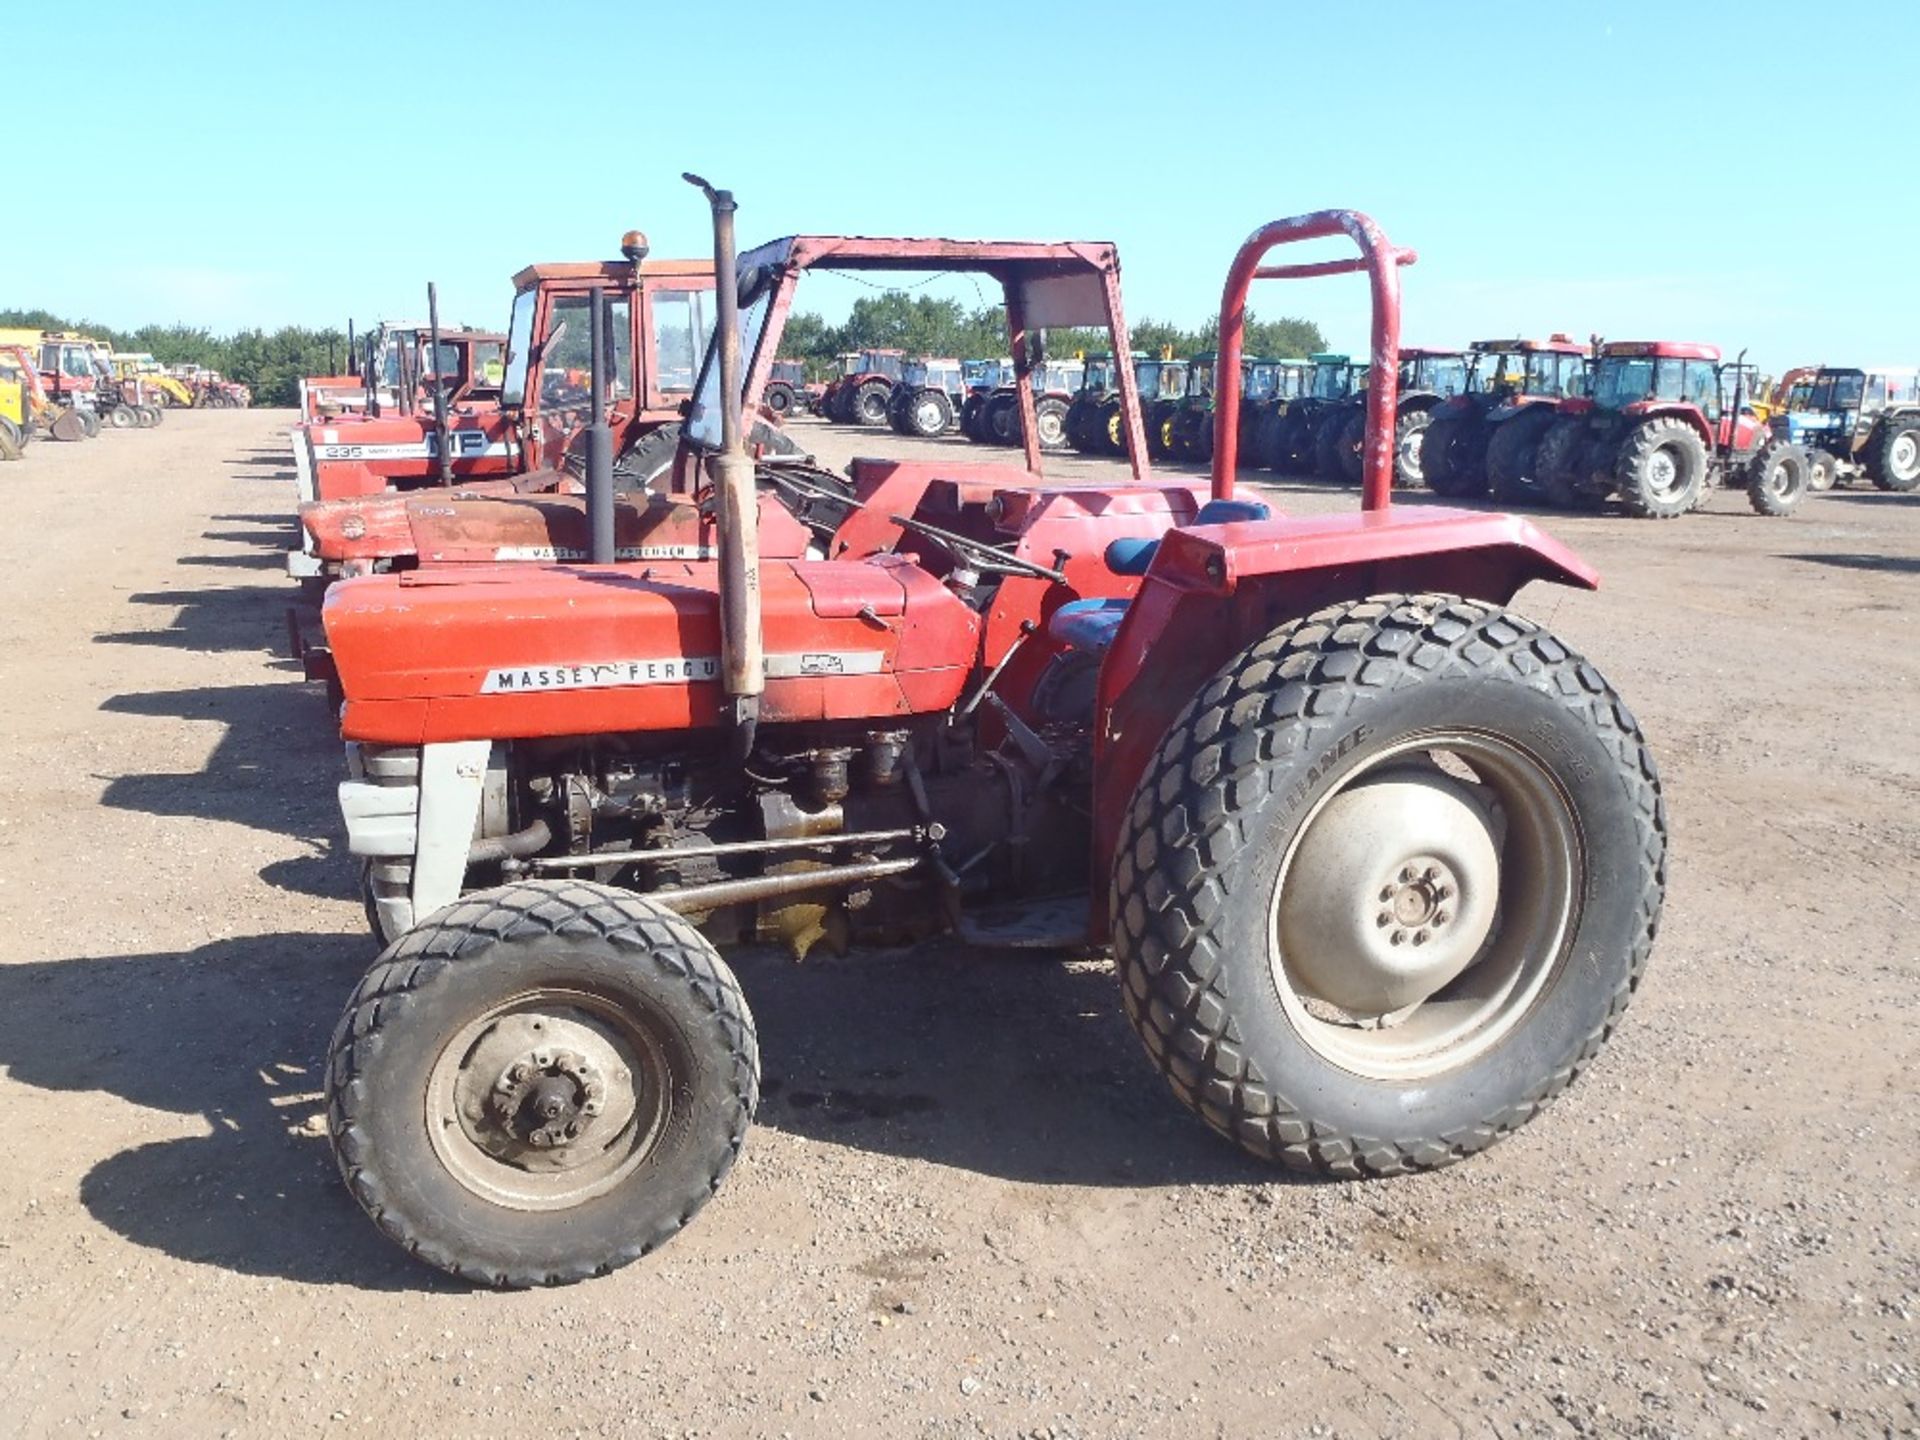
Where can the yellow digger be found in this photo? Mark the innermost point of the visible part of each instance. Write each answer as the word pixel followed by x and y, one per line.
pixel 140 366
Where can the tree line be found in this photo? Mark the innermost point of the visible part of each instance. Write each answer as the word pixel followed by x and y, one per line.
pixel 926 325
pixel 270 363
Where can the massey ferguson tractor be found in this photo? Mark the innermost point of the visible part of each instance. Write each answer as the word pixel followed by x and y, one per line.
pixel 1661 429
pixel 532 438
pixel 861 394
pixel 1379 859
pixel 1488 434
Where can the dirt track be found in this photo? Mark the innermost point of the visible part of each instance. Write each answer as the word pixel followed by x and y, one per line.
pixel 969 1206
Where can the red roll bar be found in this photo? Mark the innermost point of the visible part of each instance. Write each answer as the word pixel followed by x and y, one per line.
pixel 1382 262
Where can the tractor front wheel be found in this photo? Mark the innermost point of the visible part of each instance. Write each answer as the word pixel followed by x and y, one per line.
pixel 779 398
pixel 1388 885
pixel 929 412
pixel 1512 453
pixel 1661 469
pixel 1778 478
pixel 1894 461
pixel 1409 442
pixel 541 1083
pixel 1821 469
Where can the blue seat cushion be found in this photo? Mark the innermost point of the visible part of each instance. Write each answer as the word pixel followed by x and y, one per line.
pixel 1131 555
pixel 1087 624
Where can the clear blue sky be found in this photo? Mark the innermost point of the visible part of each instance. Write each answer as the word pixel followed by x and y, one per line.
pixel 1740 174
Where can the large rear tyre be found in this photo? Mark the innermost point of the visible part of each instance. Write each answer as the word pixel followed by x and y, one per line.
pixel 868 403
pixel 928 412
pixel 779 398
pixel 1450 458
pixel 1894 459
pixel 541 1083
pixel 1512 452
pixel 1049 422
pixel 1661 469
pixel 1388 885
pixel 1778 478
pixel 1326 446
pixel 1000 422
pixel 1350 447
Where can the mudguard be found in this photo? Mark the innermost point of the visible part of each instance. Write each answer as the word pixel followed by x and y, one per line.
pixel 1213 590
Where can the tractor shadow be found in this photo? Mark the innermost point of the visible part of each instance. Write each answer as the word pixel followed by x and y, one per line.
pixel 1002 1063
pixel 272 770
pixel 239 619
pixel 234 1032
pixel 1888 564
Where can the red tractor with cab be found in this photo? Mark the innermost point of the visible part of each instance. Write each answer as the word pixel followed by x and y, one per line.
pixel 1380 860
pixel 1487 435
pixel 862 394
pixel 1664 423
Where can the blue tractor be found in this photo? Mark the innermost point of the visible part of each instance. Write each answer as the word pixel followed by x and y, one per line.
pixel 1855 422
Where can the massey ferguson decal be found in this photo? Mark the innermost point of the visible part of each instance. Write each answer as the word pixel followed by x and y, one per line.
pixel 673 670
pixel 624 552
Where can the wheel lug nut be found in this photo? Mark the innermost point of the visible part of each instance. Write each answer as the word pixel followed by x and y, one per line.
pixel 1440 917
pixel 1419 937
pixel 1386 892
pixel 1383 919
pixel 1445 892
pixel 543 1058
pixel 1399 937
pixel 1406 875
pixel 1433 873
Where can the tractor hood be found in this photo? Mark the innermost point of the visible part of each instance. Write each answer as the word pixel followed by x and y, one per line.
pixel 508 652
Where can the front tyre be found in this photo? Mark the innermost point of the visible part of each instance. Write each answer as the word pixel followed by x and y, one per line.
pixel 1893 461
pixel 541 1083
pixel 1778 478
pixel 1388 885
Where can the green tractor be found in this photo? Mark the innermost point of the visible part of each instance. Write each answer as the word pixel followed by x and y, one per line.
pixel 1428 379
pixel 1284 438
pixel 1265 384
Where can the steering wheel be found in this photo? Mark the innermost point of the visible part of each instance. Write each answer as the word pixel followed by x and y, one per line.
pixel 978 553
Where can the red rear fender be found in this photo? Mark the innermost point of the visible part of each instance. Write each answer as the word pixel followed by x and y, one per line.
pixel 1213 590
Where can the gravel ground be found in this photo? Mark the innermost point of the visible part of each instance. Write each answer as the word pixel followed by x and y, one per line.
pixel 969 1206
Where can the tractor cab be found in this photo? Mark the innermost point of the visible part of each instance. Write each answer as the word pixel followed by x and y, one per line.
pixel 1486 434
pixel 926 399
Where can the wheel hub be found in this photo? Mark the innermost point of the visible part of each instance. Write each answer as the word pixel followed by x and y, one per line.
pixel 1906 455
pixel 1662 471
pixel 928 415
pixel 548 1098
pixel 1367 937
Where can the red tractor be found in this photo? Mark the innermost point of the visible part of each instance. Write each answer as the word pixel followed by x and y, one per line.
pixel 1489 433
pixel 1661 428
pixel 658 314
pixel 1380 860
pixel 789 392
pixel 862 393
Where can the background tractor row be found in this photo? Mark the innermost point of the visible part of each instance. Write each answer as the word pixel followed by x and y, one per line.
pixel 1855 423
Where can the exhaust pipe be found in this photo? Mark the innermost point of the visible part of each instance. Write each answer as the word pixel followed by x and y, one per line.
pixel 439 386
pixel 599 437
pixel 742 660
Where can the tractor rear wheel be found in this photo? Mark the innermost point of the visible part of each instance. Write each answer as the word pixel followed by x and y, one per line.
pixel 1326 446
pixel 1821 468
pixel 541 1083
pixel 1661 468
pixel 122 417
pixel 1512 453
pixel 1350 447
pixel 1112 424
pixel 1450 459
pixel 1559 464
pixel 10 439
pixel 1777 478
pixel 1894 457
pixel 868 403
pixel 1409 435
pixel 1050 422
pixel 779 398
pixel 972 417
pixel 929 412
pixel 1364 922
pixel 1000 422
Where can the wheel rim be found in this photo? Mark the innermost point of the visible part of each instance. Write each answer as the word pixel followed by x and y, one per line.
pixel 1050 428
pixel 1663 474
pixel 1409 457
pixel 1903 456
pixel 926 417
pixel 1779 480
pixel 549 1099
pixel 1424 905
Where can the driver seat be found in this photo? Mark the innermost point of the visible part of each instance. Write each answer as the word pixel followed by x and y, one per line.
pixel 1091 624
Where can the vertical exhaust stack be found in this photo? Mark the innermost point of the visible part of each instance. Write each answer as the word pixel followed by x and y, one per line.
pixel 599 436
pixel 440 437
pixel 353 356
pixel 742 661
